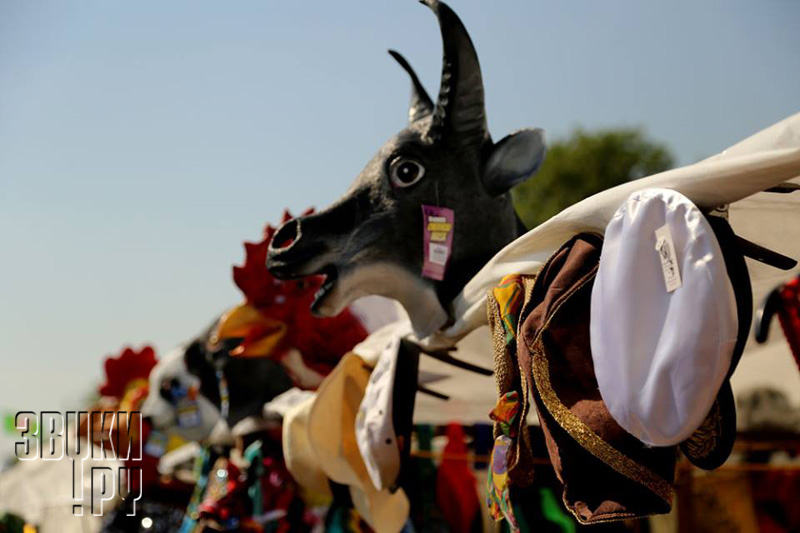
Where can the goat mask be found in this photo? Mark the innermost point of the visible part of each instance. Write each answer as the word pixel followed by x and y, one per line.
pixel 371 240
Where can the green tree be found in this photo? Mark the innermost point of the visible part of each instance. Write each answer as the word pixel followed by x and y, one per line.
pixel 584 164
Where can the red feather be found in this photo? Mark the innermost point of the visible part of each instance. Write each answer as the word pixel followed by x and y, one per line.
pixel 126 367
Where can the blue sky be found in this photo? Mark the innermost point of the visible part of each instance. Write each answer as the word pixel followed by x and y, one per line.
pixel 142 141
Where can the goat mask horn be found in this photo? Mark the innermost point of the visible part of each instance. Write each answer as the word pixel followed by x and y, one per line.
pixel 421 105
pixel 460 115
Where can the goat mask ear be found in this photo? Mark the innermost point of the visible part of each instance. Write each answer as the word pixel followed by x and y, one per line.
pixel 514 159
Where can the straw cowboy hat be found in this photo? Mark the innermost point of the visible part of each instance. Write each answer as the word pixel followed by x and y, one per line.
pixel 320 441
pixel 300 458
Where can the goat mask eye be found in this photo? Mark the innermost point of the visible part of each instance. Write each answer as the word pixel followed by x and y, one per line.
pixel 405 172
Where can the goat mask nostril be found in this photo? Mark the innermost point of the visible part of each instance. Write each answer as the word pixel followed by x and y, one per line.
pixel 286 235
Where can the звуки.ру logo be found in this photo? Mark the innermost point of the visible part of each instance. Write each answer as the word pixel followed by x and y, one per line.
pixel 81 436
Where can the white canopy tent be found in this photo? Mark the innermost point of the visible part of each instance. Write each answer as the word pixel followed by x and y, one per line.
pixel 40 491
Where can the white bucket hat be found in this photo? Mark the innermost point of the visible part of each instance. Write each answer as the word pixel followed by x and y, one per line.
pixel 385 417
pixel 664 321
pixel 375 432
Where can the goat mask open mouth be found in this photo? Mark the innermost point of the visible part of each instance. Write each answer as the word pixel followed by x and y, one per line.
pixel 343 286
pixel 331 274
pixel 290 258
pixel 349 276
pixel 417 295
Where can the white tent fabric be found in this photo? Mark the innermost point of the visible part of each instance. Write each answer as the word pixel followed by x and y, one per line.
pixel 40 491
pixel 733 177
pixel 773 221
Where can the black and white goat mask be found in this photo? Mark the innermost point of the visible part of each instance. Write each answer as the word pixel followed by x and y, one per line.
pixel 371 240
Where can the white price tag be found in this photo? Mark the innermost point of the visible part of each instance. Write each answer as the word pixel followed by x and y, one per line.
pixel 437 253
pixel 668 257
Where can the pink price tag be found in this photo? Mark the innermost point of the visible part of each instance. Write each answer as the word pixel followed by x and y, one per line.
pixel 437 237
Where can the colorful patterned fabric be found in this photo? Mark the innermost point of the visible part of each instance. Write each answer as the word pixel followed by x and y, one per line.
pixel 251 493
pixel 505 413
pixel 220 504
pixel 510 294
pixel 498 492
pixel 497 483
pixel 202 466
pixel 255 457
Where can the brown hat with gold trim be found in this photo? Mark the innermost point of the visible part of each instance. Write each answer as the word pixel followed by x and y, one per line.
pixel 712 442
pixel 607 473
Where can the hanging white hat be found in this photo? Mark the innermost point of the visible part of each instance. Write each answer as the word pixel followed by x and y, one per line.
pixel 332 437
pixel 375 432
pixel 664 323
pixel 385 416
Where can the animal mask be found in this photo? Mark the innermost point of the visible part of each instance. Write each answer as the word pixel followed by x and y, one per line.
pixel 371 240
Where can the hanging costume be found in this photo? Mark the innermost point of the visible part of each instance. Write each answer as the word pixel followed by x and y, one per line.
pixel 543 346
